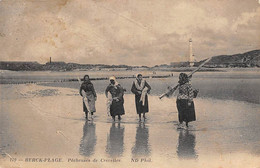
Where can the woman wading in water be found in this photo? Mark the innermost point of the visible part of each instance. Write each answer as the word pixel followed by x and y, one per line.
pixel 141 88
pixel 116 105
pixel 89 95
pixel 185 104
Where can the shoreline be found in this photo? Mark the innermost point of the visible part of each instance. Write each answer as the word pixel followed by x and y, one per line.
pixel 169 69
pixel 243 90
pixel 75 80
pixel 23 77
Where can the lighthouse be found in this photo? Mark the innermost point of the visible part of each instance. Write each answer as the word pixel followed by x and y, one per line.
pixel 191 60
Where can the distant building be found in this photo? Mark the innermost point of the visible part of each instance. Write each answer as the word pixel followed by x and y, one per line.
pixel 191 56
pixel 57 66
pixel 56 63
pixel 179 64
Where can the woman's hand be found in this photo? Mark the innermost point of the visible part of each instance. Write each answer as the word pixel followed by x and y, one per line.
pixel 116 99
pixel 139 92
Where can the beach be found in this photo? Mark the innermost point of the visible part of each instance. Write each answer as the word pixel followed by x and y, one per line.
pixel 209 51
pixel 43 125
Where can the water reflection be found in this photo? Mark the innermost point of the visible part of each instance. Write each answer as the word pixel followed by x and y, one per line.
pixel 186 145
pixel 89 139
pixel 115 140
pixel 141 146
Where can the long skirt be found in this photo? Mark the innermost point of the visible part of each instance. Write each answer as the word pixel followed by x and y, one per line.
pixel 185 113
pixel 117 108
pixel 89 104
pixel 140 108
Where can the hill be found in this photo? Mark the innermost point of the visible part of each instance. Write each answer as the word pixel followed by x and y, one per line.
pixel 248 59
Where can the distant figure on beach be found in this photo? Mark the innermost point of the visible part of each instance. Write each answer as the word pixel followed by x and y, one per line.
pixel 89 95
pixel 117 103
pixel 141 88
pixel 185 104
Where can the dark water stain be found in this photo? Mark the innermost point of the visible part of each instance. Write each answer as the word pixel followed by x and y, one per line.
pixel 45 92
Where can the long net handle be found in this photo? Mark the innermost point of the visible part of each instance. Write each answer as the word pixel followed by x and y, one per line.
pixel 172 90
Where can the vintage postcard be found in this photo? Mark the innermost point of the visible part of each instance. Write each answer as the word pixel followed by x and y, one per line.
pixel 129 83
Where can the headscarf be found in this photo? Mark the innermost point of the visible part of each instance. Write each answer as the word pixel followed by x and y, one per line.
pixel 113 78
pixel 140 86
pixel 85 80
pixel 183 78
pixel 136 76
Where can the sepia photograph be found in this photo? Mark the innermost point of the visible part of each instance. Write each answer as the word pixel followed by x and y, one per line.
pixel 129 83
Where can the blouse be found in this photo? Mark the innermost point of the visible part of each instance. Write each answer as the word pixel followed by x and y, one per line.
pixel 185 92
pixel 87 87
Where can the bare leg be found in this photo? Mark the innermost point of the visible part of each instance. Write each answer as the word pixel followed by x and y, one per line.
pixel 114 118
pixel 139 117
pixel 86 115
pixel 119 117
pixel 91 115
pixel 144 116
pixel 180 125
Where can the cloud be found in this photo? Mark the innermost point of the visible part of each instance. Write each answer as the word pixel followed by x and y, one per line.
pixel 247 19
pixel 125 32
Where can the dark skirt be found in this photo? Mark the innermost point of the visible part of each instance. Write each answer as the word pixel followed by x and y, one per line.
pixel 140 108
pixel 185 113
pixel 117 108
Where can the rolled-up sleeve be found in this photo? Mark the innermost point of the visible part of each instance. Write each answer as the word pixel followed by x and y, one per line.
pixel 148 86
pixel 93 90
pixel 133 89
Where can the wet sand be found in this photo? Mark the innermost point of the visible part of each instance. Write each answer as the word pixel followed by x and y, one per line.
pixel 48 122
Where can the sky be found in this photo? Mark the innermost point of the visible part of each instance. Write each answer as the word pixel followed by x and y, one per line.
pixel 131 32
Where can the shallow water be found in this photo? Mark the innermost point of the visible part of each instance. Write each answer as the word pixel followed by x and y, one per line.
pixel 217 88
pixel 35 122
pixel 233 84
pixel 227 126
